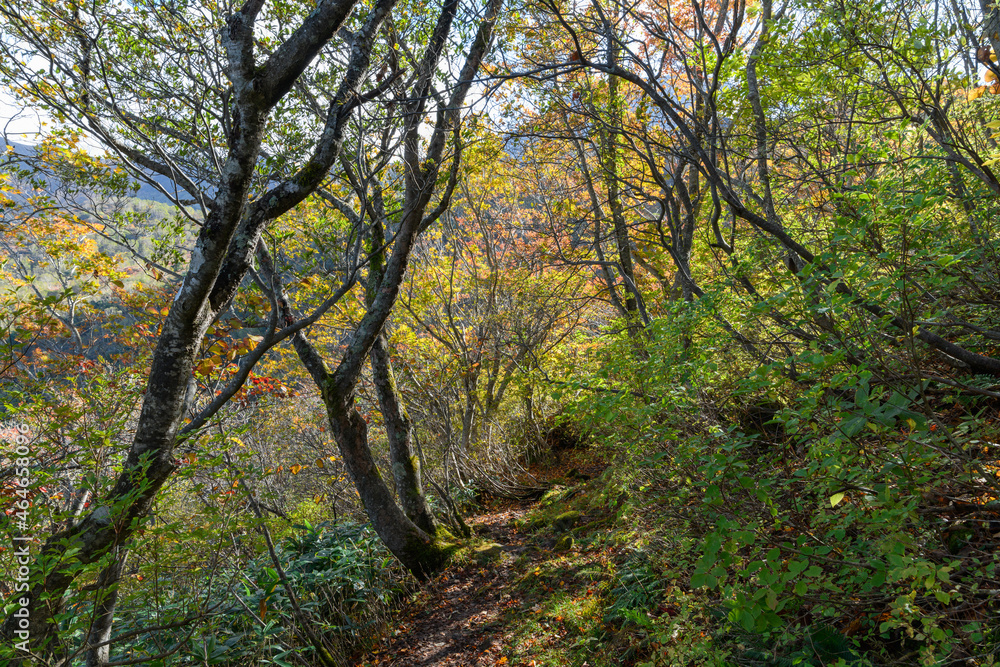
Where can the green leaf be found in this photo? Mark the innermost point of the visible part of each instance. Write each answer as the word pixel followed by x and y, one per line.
pixel 853 426
pixel 795 567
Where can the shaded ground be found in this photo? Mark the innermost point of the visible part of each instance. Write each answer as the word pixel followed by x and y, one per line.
pixel 493 610
pixel 456 619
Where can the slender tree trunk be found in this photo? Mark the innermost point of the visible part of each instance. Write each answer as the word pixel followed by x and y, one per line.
pixel 417 550
pixel 99 637
pixel 399 430
pixel 610 164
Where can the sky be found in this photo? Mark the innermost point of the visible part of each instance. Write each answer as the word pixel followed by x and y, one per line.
pixel 18 124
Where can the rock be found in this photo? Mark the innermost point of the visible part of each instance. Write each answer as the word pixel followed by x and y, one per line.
pixel 534 523
pixel 565 521
pixel 487 552
pixel 564 543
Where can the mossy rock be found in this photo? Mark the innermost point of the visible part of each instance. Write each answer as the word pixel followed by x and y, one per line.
pixel 564 543
pixel 565 521
pixel 552 495
pixel 490 551
pixel 535 523
pixel 444 536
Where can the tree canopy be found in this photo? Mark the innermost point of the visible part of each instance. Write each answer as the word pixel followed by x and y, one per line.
pixel 403 256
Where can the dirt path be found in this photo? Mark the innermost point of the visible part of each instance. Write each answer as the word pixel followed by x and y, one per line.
pixel 456 620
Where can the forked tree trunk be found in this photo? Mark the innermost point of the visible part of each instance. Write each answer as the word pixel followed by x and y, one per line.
pixel 421 553
pixel 418 550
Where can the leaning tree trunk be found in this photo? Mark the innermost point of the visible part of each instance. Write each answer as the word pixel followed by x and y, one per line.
pixel 421 553
pixel 418 550
pixel 219 262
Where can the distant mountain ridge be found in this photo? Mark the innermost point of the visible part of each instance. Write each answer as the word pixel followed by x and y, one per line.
pixel 145 191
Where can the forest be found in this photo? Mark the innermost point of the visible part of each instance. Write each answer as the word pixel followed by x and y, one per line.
pixel 575 333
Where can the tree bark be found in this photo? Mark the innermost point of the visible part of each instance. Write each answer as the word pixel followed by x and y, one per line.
pixel 207 288
pixel 415 548
pixel 399 430
pixel 99 637
pixel 421 553
pixel 609 161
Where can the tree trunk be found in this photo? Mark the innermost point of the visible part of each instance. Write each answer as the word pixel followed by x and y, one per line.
pixel 610 164
pixel 216 269
pixel 418 551
pixel 99 637
pixel 399 430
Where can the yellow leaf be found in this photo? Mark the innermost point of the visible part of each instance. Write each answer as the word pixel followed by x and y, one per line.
pixel 835 499
pixel 976 93
pixel 320 463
